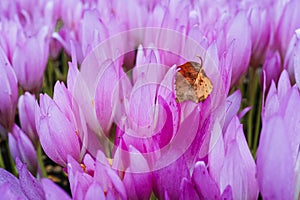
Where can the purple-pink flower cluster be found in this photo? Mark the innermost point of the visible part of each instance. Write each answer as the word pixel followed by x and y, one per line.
pixel 114 124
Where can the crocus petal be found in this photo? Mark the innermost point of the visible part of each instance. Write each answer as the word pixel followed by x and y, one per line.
pixel 216 154
pixel 9 35
pixel 238 162
pixel 94 191
pixel 142 100
pixel 284 84
pixel 164 130
pixel 104 96
pixel 63 99
pixel 21 146
pixel 297 172
pixel 243 112
pixel 93 31
pixel 187 190
pixel 287 24
pixel 148 63
pixel 7 192
pixel 137 182
pixel 79 181
pixel 30 186
pixel 8 93
pixel 227 193
pixel 242 44
pixel 169 179
pixel 205 185
pixel 260 33
pixel 291 53
pixel 166 91
pixel 297 69
pixel 26 107
pixel 10 181
pixel 73 69
pixel 272 67
pixel 290 109
pixel 273 102
pixel 212 66
pixel 56 130
pixel 35 66
pixel 226 68
pixel 233 103
pixel 275 170
pixel 107 177
pixel 229 173
pixel 53 191
pixel 85 100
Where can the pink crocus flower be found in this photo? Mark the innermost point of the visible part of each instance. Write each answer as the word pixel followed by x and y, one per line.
pixel 140 120
pixel 145 97
pixel 272 67
pixel 94 177
pixel 291 60
pixel 287 24
pixel 58 127
pixel 134 171
pixel 278 151
pixel 261 30
pixel 85 106
pixel 27 186
pixel 227 172
pixel 26 108
pixel 22 148
pixel 30 69
pixel 9 32
pixel 230 162
pixel 93 31
pixel 104 103
pixel 241 41
pixel 8 94
pixel 148 96
pixel 71 13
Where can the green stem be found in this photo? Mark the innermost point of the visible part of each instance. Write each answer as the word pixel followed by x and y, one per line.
pixel 250 103
pixel 258 122
pixel 241 86
pixel 1 161
pixel 40 160
pixel 48 79
pixel 153 197
pixel 11 160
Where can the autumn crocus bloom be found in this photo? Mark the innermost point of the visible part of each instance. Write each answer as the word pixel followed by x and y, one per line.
pixel 22 148
pixel 241 40
pixel 291 60
pixel 30 67
pixel 8 94
pixel 287 24
pixel 272 67
pixel 9 36
pixel 59 133
pixel 104 102
pixel 134 171
pixel 229 172
pixel 145 111
pixel 230 167
pixel 71 13
pixel 260 33
pixel 27 186
pixel 26 108
pixel 278 154
pixel 214 178
pixel 94 177
pixel 151 119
